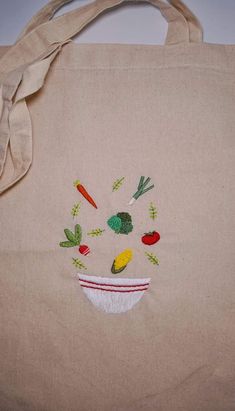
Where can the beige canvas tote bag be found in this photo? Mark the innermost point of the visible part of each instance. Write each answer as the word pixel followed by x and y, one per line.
pixel 117 218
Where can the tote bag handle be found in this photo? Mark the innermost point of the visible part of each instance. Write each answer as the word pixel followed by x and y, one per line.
pixel 47 12
pixel 24 67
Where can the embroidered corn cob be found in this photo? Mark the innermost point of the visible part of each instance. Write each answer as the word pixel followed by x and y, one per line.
pixel 121 261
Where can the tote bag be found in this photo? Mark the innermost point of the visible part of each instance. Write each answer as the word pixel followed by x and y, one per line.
pixel 117 218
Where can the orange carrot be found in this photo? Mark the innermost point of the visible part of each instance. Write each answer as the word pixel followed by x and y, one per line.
pixel 84 193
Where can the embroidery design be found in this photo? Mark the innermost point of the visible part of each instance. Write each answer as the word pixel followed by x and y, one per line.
pixel 84 193
pixel 118 183
pixel 75 210
pixel 97 232
pixel 121 223
pixel 152 258
pixel 79 264
pixel 152 211
pixel 150 238
pixel 113 295
pixel 74 239
pixel 142 189
pixel 121 261
pixel 84 249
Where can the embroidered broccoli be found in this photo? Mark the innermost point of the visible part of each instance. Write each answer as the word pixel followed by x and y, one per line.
pixel 121 223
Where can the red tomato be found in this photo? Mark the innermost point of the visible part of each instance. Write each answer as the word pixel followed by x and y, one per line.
pixel 151 238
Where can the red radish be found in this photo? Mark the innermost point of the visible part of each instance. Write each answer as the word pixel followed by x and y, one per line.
pixel 150 238
pixel 84 249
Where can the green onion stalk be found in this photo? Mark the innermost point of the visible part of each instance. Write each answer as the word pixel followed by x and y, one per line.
pixel 142 189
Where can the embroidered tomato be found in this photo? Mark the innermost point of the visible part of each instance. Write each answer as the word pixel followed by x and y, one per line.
pixel 84 249
pixel 150 238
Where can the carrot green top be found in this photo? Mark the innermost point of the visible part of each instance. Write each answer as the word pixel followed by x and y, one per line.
pixel 77 183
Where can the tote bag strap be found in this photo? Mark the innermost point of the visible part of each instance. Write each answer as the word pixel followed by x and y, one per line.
pixel 48 11
pixel 24 67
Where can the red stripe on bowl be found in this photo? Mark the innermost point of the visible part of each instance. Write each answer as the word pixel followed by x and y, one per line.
pixel 112 285
pixel 114 291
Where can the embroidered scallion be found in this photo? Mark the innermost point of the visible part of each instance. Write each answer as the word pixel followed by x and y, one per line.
pixel 142 189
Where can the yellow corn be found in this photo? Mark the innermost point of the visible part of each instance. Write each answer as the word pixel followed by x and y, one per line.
pixel 123 259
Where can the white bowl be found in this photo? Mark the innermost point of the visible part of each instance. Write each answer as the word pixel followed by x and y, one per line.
pixel 113 295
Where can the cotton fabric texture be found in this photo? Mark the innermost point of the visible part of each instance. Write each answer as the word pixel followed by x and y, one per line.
pixel 99 112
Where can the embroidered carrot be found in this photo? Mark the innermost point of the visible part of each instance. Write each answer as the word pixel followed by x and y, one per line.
pixel 84 193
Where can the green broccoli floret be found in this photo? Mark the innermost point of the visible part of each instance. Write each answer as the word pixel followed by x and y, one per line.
pixel 126 227
pixel 115 223
pixel 121 223
pixel 124 216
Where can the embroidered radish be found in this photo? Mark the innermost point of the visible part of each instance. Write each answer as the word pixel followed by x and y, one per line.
pixel 84 193
pixel 84 249
pixel 150 238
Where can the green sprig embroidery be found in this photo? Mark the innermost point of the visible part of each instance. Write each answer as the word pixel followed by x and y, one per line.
pixel 96 232
pixel 79 264
pixel 74 239
pixel 76 209
pixel 152 258
pixel 153 211
pixel 118 183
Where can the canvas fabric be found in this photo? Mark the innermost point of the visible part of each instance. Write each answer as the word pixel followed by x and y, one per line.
pixel 102 113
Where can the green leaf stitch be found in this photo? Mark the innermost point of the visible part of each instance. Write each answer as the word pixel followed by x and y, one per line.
pixel 76 209
pixel 152 258
pixel 118 183
pixel 96 232
pixel 79 264
pixel 70 236
pixel 78 233
pixel 67 244
pixel 74 239
pixel 153 211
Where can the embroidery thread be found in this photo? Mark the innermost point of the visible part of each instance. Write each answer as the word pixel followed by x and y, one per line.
pixel 113 295
pixel 96 232
pixel 121 261
pixel 79 264
pixel 153 211
pixel 142 189
pixel 121 223
pixel 118 183
pixel 75 210
pixel 84 249
pixel 152 258
pixel 74 239
pixel 150 238
pixel 84 193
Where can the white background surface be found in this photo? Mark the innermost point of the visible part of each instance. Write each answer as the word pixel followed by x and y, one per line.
pixel 140 24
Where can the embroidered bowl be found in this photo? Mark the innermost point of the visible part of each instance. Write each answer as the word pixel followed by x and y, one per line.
pixel 113 295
